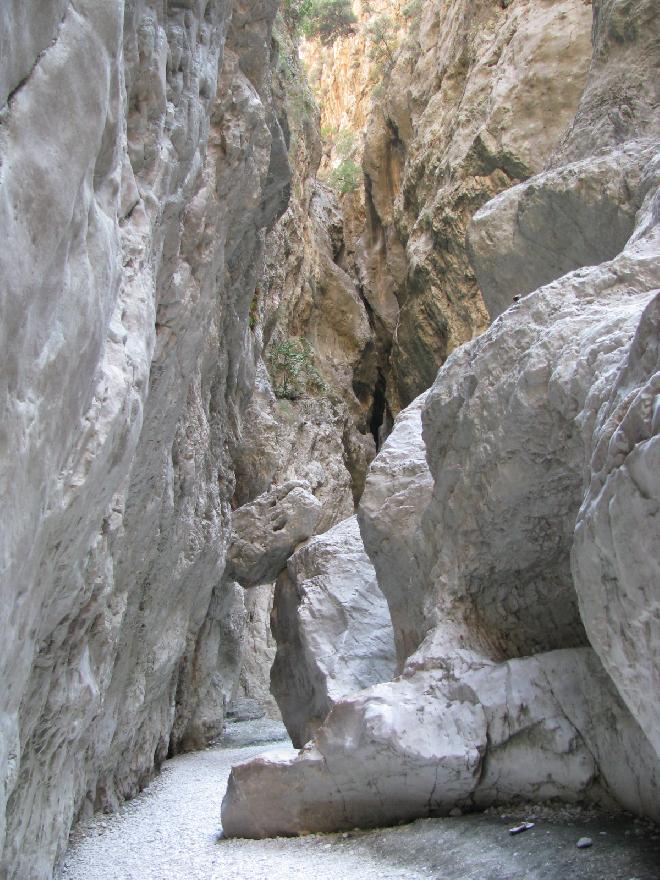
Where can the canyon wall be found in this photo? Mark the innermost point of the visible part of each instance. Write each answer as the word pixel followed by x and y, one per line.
pixel 142 162
pixel 523 583
pixel 204 346
pixel 458 102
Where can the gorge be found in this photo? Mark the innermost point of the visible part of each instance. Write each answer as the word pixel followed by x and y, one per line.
pixel 354 336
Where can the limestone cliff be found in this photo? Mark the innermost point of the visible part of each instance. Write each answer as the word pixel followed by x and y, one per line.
pixel 141 163
pixel 530 603
pixel 461 99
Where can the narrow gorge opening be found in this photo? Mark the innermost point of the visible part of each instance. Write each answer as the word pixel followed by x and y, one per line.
pixel 329 544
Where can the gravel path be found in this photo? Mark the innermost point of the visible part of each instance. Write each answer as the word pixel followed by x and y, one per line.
pixel 172 832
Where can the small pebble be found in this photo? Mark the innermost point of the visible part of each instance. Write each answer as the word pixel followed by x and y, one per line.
pixel 456 811
pixel 518 829
pixel 584 843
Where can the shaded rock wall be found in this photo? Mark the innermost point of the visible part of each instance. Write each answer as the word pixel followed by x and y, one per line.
pixel 141 164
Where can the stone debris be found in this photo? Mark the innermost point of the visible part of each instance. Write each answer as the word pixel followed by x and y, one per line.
pixel 518 829
pixel 584 843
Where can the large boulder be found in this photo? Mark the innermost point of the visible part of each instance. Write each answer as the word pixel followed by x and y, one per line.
pixel 333 629
pixel 397 492
pixel 267 531
pixel 616 562
pixel 580 214
pixel 423 744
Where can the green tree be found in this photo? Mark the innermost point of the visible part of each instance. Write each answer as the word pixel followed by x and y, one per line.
pixel 347 174
pixel 326 19
pixel 345 177
pixel 382 38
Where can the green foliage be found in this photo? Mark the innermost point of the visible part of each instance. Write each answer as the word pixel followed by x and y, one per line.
pixel 346 144
pixel 381 33
pixel 254 309
pixel 292 370
pixel 345 177
pixel 325 19
pixel 413 9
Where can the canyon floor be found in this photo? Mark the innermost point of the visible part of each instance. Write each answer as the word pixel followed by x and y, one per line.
pixel 172 831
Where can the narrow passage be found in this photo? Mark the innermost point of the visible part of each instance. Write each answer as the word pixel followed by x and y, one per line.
pixel 172 831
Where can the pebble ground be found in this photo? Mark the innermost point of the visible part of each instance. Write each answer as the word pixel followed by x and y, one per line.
pixel 172 832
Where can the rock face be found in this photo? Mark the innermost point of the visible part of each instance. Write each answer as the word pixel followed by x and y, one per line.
pixel 316 427
pixel 581 214
pixel 134 236
pixel 259 649
pixel 332 627
pixel 544 420
pixel 208 684
pixel 397 492
pixel 459 118
pixel 267 531
pixel 616 566
pixel 494 732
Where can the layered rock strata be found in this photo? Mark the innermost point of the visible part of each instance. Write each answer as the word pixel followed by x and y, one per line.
pixel 142 162
pixel 332 627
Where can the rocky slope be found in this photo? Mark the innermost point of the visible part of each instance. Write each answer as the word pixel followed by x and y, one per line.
pixel 535 546
pixel 142 162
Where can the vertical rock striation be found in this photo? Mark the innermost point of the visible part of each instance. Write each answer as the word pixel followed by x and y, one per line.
pixel 141 163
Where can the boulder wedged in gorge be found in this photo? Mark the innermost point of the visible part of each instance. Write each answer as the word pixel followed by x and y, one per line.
pixel 267 531
pixel 141 164
pixel 332 627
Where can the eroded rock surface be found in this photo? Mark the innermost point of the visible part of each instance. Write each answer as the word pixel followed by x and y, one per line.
pixel 141 165
pixel 397 492
pixel 616 565
pixel 580 214
pixel 491 732
pixel 267 531
pixel 459 120
pixel 332 627
pixel 552 402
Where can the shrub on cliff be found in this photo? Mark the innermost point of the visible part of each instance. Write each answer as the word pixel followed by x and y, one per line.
pixel 325 19
pixel 292 370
